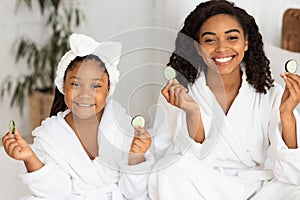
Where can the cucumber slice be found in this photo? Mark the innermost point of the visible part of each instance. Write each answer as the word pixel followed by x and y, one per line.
pixel 12 126
pixel 291 66
pixel 169 73
pixel 138 121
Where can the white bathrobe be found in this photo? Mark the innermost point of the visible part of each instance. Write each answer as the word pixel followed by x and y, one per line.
pixel 69 173
pixel 243 154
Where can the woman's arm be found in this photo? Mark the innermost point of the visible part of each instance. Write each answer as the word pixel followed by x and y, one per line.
pixel 289 101
pixel 177 96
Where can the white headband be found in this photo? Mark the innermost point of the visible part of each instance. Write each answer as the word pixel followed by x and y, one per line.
pixel 82 45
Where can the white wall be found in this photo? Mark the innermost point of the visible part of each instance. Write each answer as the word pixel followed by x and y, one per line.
pixel 145 48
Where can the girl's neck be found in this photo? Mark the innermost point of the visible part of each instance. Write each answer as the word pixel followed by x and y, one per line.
pixel 81 125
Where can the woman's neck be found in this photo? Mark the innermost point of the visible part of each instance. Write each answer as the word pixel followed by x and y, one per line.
pixel 225 87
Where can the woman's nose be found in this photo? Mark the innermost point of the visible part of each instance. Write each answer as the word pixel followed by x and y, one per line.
pixel 221 46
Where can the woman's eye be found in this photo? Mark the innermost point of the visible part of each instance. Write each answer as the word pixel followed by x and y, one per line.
pixel 208 40
pixel 75 84
pixel 233 38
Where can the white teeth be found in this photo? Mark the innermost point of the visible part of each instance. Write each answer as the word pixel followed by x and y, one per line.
pixel 223 59
pixel 84 104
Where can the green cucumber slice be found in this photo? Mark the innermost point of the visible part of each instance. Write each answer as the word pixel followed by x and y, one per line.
pixel 138 121
pixel 169 73
pixel 12 126
pixel 291 66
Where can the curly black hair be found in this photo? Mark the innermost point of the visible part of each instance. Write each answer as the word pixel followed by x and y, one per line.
pixel 189 64
pixel 59 102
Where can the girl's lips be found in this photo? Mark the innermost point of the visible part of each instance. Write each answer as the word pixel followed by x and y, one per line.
pixel 84 104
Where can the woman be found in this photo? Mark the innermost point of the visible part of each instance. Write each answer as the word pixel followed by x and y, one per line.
pixel 233 133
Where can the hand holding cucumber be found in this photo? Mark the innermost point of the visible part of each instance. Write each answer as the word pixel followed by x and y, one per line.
pixel 141 141
pixel 14 145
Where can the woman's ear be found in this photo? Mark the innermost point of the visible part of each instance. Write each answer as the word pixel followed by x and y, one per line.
pixel 198 48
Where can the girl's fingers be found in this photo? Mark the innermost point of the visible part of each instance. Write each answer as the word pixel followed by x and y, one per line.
pixel 141 132
pixel 17 134
pixel 135 148
pixel 12 147
pixel 5 137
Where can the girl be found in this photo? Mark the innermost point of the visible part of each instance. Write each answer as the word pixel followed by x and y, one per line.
pixel 80 152
pixel 234 134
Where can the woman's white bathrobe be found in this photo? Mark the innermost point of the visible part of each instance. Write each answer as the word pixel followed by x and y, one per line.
pixel 243 154
pixel 69 173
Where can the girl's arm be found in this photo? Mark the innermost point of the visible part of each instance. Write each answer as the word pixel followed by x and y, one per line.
pixel 139 145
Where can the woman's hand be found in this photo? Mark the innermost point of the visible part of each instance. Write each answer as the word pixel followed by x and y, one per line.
pixel 139 145
pixel 291 95
pixel 289 100
pixel 17 148
pixel 177 95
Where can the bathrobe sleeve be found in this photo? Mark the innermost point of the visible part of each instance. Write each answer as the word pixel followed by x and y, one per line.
pixel 284 162
pixel 50 181
pixel 117 131
pixel 134 178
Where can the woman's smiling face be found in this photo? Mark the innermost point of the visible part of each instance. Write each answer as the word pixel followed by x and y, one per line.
pixel 222 43
pixel 86 89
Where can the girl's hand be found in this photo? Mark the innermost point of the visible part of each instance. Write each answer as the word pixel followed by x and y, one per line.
pixel 16 147
pixel 139 145
pixel 177 95
pixel 291 95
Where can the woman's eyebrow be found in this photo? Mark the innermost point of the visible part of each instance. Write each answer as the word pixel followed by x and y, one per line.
pixel 207 33
pixel 232 30
pixel 226 32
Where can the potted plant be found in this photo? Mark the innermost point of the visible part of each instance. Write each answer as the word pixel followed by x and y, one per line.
pixel 60 17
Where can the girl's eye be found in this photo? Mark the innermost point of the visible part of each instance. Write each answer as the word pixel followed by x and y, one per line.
pixel 75 84
pixel 96 86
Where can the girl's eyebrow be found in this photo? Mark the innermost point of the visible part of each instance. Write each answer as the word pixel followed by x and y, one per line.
pixel 74 77
pixel 94 79
pixel 226 32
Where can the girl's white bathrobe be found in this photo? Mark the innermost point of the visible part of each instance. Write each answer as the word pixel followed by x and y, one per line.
pixel 243 155
pixel 69 173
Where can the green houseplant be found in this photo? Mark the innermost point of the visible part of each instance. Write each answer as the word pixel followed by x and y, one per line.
pixel 60 17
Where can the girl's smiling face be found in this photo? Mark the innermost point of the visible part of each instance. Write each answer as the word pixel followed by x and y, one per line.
pixel 86 88
pixel 222 43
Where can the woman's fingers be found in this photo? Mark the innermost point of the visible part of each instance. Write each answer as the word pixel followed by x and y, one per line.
pixel 165 91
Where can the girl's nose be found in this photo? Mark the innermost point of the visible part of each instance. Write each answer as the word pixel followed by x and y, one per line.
pixel 86 92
